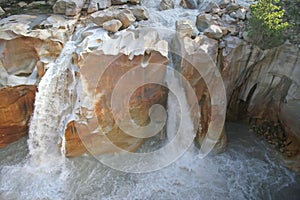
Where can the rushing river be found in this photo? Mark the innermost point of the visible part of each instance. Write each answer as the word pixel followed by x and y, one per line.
pixel 248 169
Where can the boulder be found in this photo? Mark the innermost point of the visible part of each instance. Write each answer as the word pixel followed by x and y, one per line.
pixel 68 7
pixel 112 25
pixel 126 17
pixel 204 21
pixel 167 4
pixel 214 31
pixel 94 127
pixel 189 4
pixel 16 108
pixel 140 13
pixel 102 16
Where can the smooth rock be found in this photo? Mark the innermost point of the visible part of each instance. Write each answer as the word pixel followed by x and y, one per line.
pixel 68 7
pixel 102 16
pixel 189 4
pixel 94 129
pixel 112 25
pixel 140 13
pixel 16 108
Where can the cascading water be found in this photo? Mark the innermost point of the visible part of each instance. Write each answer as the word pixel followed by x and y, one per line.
pixel 247 170
pixel 53 107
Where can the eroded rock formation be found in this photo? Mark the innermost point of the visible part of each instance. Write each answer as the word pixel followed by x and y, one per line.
pixel 94 127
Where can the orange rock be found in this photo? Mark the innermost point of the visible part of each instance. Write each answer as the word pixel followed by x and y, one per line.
pixel 16 108
pixel 83 135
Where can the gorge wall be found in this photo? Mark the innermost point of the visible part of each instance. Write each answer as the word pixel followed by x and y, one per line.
pixel 262 86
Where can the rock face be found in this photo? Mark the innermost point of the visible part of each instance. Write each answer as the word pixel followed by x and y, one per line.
pixel 16 108
pixel 100 71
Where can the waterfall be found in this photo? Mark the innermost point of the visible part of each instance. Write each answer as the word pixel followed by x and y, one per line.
pixel 53 107
pixel 179 115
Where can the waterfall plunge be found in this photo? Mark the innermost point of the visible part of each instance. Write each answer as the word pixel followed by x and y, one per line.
pixel 53 107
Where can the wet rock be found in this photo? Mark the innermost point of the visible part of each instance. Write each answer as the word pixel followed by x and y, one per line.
pixel 96 5
pixel 214 31
pixel 202 52
pixel 68 7
pixel 189 4
pixel 94 128
pixel 140 13
pixel 126 17
pixel 16 108
pixel 167 4
pixel 112 25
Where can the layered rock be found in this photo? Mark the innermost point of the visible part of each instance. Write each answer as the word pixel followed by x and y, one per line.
pixel 263 86
pixel 94 128
pixel 16 107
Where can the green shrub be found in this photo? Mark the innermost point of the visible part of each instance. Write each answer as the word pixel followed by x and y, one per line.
pixel 266 24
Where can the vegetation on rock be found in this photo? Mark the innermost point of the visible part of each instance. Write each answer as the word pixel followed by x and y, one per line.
pixel 267 24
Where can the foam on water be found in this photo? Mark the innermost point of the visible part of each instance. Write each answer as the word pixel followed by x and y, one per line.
pixel 248 169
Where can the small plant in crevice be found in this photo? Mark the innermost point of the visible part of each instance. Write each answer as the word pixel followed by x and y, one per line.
pixel 266 26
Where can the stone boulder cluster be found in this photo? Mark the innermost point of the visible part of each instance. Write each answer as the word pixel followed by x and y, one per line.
pixel 112 15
